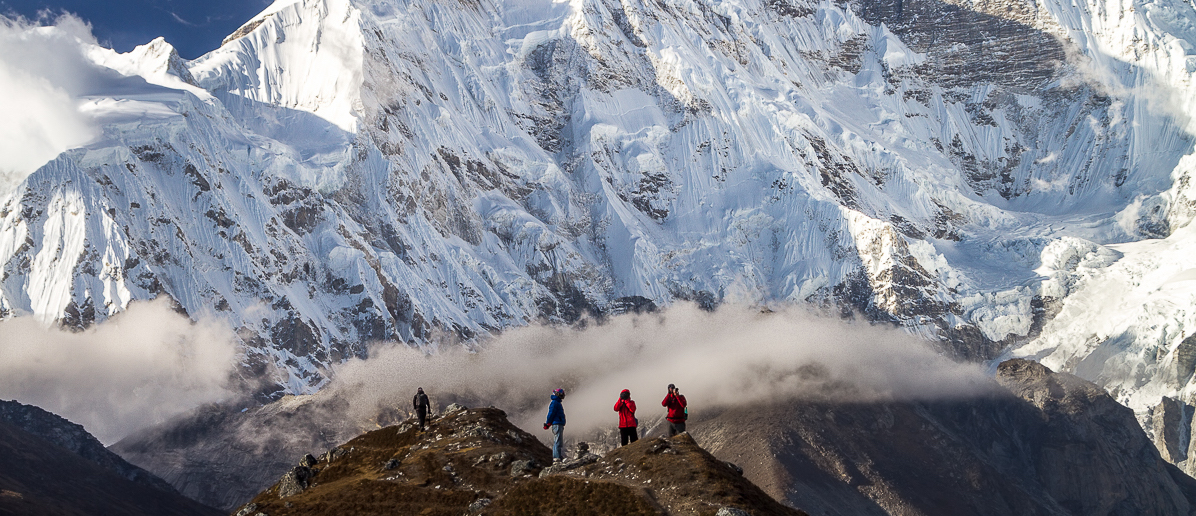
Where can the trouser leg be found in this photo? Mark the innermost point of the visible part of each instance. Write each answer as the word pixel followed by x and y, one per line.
pixel 558 442
pixel 627 435
pixel 423 418
pixel 676 428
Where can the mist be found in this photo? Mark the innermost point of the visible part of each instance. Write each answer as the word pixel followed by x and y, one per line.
pixel 734 356
pixel 43 71
pixel 139 368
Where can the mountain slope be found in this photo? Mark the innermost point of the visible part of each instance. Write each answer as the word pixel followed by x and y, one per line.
pixel 1043 443
pixel 38 477
pixel 341 172
pixel 76 439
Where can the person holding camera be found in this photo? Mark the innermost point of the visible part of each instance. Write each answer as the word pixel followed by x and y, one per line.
pixel 627 421
pixel 678 414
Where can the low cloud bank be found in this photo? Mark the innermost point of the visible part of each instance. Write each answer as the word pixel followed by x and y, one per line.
pixel 735 356
pixel 135 370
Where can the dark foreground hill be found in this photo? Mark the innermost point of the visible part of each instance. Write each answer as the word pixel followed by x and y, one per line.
pixel 477 462
pixel 38 477
pixel 76 439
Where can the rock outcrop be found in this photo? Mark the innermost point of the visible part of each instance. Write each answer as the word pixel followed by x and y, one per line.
pixel 1171 420
pixel 474 461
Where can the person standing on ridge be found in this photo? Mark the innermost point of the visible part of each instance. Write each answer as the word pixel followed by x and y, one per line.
pixel 627 421
pixel 677 415
pixel 421 407
pixel 556 420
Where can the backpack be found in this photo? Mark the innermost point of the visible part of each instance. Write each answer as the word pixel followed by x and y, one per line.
pixel 685 413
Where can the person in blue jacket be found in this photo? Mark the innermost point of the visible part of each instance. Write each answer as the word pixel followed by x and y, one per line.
pixel 556 420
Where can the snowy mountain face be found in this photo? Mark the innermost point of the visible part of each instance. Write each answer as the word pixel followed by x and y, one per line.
pixel 342 172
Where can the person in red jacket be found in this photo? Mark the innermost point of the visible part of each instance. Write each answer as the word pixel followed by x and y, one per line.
pixel 677 415
pixel 627 422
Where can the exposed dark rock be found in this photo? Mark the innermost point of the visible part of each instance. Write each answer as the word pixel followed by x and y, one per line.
pixel 583 457
pixel 733 466
pixel 1185 359
pixel 1171 430
pixel 308 461
pixel 632 304
pixel 294 482
pixel 479 504
pixel 523 467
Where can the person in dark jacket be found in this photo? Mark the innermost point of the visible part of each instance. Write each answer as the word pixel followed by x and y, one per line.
pixel 420 401
pixel 627 422
pixel 556 420
pixel 677 415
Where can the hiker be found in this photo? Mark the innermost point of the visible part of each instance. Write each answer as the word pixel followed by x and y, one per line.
pixel 556 420
pixel 677 415
pixel 421 407
pixel 627 421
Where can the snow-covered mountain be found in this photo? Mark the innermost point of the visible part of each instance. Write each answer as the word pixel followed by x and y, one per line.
pixel 341 172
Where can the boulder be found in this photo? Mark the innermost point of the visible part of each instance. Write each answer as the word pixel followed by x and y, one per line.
pixel 522 467
pixel 583 459
pixel 294 481
pixel 738 470
pixel 479 504
pixel 308 461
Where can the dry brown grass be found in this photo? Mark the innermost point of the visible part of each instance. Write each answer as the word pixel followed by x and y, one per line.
pixel 566 496
pixel 683 478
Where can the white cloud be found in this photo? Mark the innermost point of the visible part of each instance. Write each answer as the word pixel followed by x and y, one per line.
pixel 43 71
pixel 732 357
pixel 137 369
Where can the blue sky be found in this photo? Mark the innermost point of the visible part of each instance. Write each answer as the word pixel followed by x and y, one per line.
pixel 193 27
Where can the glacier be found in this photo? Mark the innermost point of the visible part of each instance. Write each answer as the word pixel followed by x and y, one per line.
pixel 1001 177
